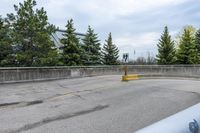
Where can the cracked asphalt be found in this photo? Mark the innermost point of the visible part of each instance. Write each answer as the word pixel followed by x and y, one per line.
pixel 101 104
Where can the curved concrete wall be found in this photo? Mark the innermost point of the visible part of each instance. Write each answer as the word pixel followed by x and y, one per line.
pixel 188 71
pixel 24 74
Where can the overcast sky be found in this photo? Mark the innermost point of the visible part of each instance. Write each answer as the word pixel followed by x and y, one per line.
pixel 135 24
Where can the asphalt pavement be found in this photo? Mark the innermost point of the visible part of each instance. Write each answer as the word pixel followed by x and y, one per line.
pixel 101 104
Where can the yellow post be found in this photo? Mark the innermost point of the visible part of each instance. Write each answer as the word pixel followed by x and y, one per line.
pixel 124 78
pixel 125 70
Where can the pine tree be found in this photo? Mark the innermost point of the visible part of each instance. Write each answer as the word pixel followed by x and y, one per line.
pixel 32 35
pixel 197 40
pixel 6 50
pixel 110 52
pixel 72 52
pixel 91 46
pixel 187 52
pixel 178 37
pixel 166 49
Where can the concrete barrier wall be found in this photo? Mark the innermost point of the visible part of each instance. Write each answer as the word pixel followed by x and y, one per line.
pixel 25 74
pixel 9 75
pixel 188 71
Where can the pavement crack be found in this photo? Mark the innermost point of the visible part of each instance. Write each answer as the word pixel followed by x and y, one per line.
pixel 58 118
pixel 196 93
pixel 24 104
pixel 20 104
pixel 9 104
pixel 74 93
pixel 34 102
pixel 79 96
pixel 62 86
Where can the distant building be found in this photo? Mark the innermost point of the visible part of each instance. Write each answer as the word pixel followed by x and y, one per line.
pixel 58 35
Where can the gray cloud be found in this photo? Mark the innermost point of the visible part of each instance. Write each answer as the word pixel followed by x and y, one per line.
pixel 136 25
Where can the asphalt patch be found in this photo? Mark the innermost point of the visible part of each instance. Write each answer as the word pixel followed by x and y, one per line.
pixel 58 118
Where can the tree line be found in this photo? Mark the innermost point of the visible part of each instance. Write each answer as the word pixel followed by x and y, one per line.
pixel 25 40
pixel 185 50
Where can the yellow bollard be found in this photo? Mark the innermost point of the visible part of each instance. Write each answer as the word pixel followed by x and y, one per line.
pixel 127 77
pixel 130 77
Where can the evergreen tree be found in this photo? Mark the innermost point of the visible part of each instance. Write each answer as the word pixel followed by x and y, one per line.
pixel 32 35
pixel 72 52
pixel 187 52
pixel 110 52
pixel 6 50
pixel 197 40
pixel 166 49
pixel 178 37
pixel 91 46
